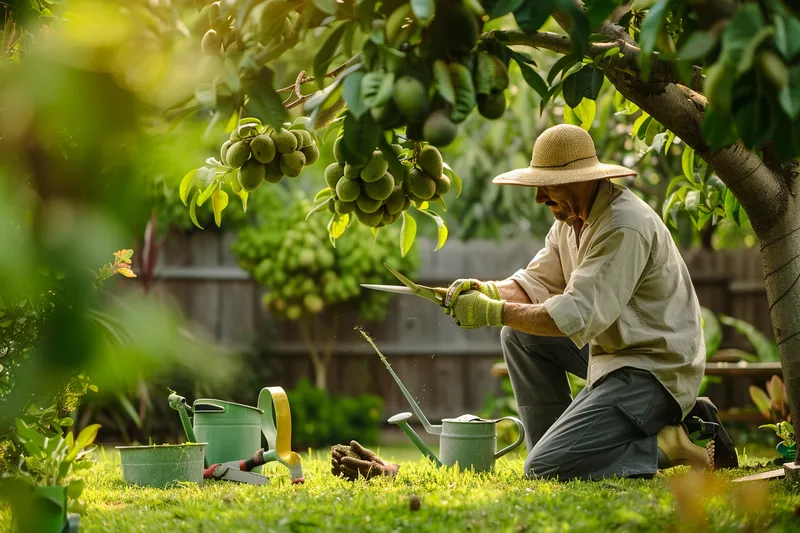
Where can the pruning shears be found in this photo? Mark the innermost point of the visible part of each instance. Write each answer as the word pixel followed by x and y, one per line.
pixel 238 471
pixel 433 294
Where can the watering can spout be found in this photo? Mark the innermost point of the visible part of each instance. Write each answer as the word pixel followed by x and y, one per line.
pixel 401 420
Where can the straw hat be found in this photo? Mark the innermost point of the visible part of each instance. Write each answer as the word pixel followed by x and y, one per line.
pixel 562 154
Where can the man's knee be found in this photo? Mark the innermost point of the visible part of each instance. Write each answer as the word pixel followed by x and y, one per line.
pixel 543 461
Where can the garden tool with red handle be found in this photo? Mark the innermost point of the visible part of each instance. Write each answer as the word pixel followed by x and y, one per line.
pixel 241 471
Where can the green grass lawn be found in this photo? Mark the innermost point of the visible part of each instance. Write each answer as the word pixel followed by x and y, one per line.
pixel 450 501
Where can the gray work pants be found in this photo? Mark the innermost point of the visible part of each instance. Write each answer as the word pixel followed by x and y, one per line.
pixel 608 430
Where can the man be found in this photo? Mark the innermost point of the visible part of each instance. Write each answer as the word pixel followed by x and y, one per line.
pixel 608 299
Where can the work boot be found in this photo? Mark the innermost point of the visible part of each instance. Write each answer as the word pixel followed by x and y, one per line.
pixel 725 452
pixel 676 449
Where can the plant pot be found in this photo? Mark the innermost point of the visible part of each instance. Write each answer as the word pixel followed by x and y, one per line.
pixel 787 452
pixel 162 466
pixel 47 512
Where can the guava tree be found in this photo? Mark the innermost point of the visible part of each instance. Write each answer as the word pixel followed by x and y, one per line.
pixel 721 75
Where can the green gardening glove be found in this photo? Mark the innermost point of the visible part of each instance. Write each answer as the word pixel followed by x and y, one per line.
pixel 461 285
pixel 473 309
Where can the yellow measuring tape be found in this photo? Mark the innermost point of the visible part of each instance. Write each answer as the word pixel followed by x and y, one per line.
pixel 277 429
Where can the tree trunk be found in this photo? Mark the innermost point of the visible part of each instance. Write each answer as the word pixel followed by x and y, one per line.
pixel 320 374
pixel 780 251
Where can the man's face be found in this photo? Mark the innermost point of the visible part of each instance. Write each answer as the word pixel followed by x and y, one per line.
pixel 559 199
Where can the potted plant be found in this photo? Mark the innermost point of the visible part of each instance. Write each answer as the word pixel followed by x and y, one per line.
pixel 47 468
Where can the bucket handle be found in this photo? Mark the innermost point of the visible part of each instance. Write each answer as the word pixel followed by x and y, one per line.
pixel 277 430
pixel 521 429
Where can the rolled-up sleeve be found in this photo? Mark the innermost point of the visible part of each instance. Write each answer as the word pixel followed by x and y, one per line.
pixel 602 286
pixel 544 275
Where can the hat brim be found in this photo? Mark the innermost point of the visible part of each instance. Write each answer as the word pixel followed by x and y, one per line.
pixel 536 177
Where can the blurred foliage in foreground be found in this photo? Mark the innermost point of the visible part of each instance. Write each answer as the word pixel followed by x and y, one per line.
pixel 75 140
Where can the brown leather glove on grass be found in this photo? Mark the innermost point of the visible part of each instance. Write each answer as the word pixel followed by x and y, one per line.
pixel 353 461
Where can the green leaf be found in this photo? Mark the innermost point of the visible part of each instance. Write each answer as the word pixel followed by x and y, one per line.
pixel 766 350
pixel 712 331
pixel 424 10
pixel 787 36
pixel 450 173
pixel 677 180
pixel 730 205
pixel 789 97
pixel 323 195
pixel 243 195
pixel 318 207
pixel 585 112
pixel 66 422
pixel 186 185
pixel 754 122
pixel 499 8
pixel 579 25
pixel 337 225
pixel 442 231
pixel 360 138
pixel 264 101
pixel 533 79
pixel 326 6
pixel 75 489
pixel 763 403
pixel 351 91
pixel 464 90
pixel 670 138
pixel 749 53
pixel 718 129
pixel 676 199
pixel 441 77
pixel 327 52
pixel 408 232
pixel 207 192
pixel 740 30
pixel 218 203
pixel 562 64
pixel 570 91
pixel 192 210
pixel 590 81
pixel 376 88
pixel 93 388
pixel 638 124
pixel 687 163
pixel 531 15
pixel 651 26
pixel 697 46
pixel 692 203
pixel 85 438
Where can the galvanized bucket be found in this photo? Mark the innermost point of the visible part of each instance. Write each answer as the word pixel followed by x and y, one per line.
pixel 232 430
pixel 162 466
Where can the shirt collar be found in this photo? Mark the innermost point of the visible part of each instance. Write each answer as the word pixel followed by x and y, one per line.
pixel 605 194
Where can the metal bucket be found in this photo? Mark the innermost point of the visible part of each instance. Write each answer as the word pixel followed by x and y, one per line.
pixel 232 430
pixel 162 466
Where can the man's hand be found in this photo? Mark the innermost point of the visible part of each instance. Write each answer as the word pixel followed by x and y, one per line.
pixel 354 460
pixel 474 309
pixel 489 288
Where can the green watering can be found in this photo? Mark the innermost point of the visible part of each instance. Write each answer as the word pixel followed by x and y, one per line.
pixel 233 431
pixel 467 442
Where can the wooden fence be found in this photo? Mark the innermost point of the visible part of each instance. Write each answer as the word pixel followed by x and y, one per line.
pixel 448 369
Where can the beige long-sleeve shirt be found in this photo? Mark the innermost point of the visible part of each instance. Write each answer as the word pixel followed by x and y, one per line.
pixel 625 290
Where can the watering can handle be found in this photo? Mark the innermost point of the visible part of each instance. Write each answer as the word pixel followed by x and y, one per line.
pixel 277 430
pixel 519 440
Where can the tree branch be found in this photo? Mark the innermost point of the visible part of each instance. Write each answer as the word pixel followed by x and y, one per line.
pixel 332 74
pixel 661 71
